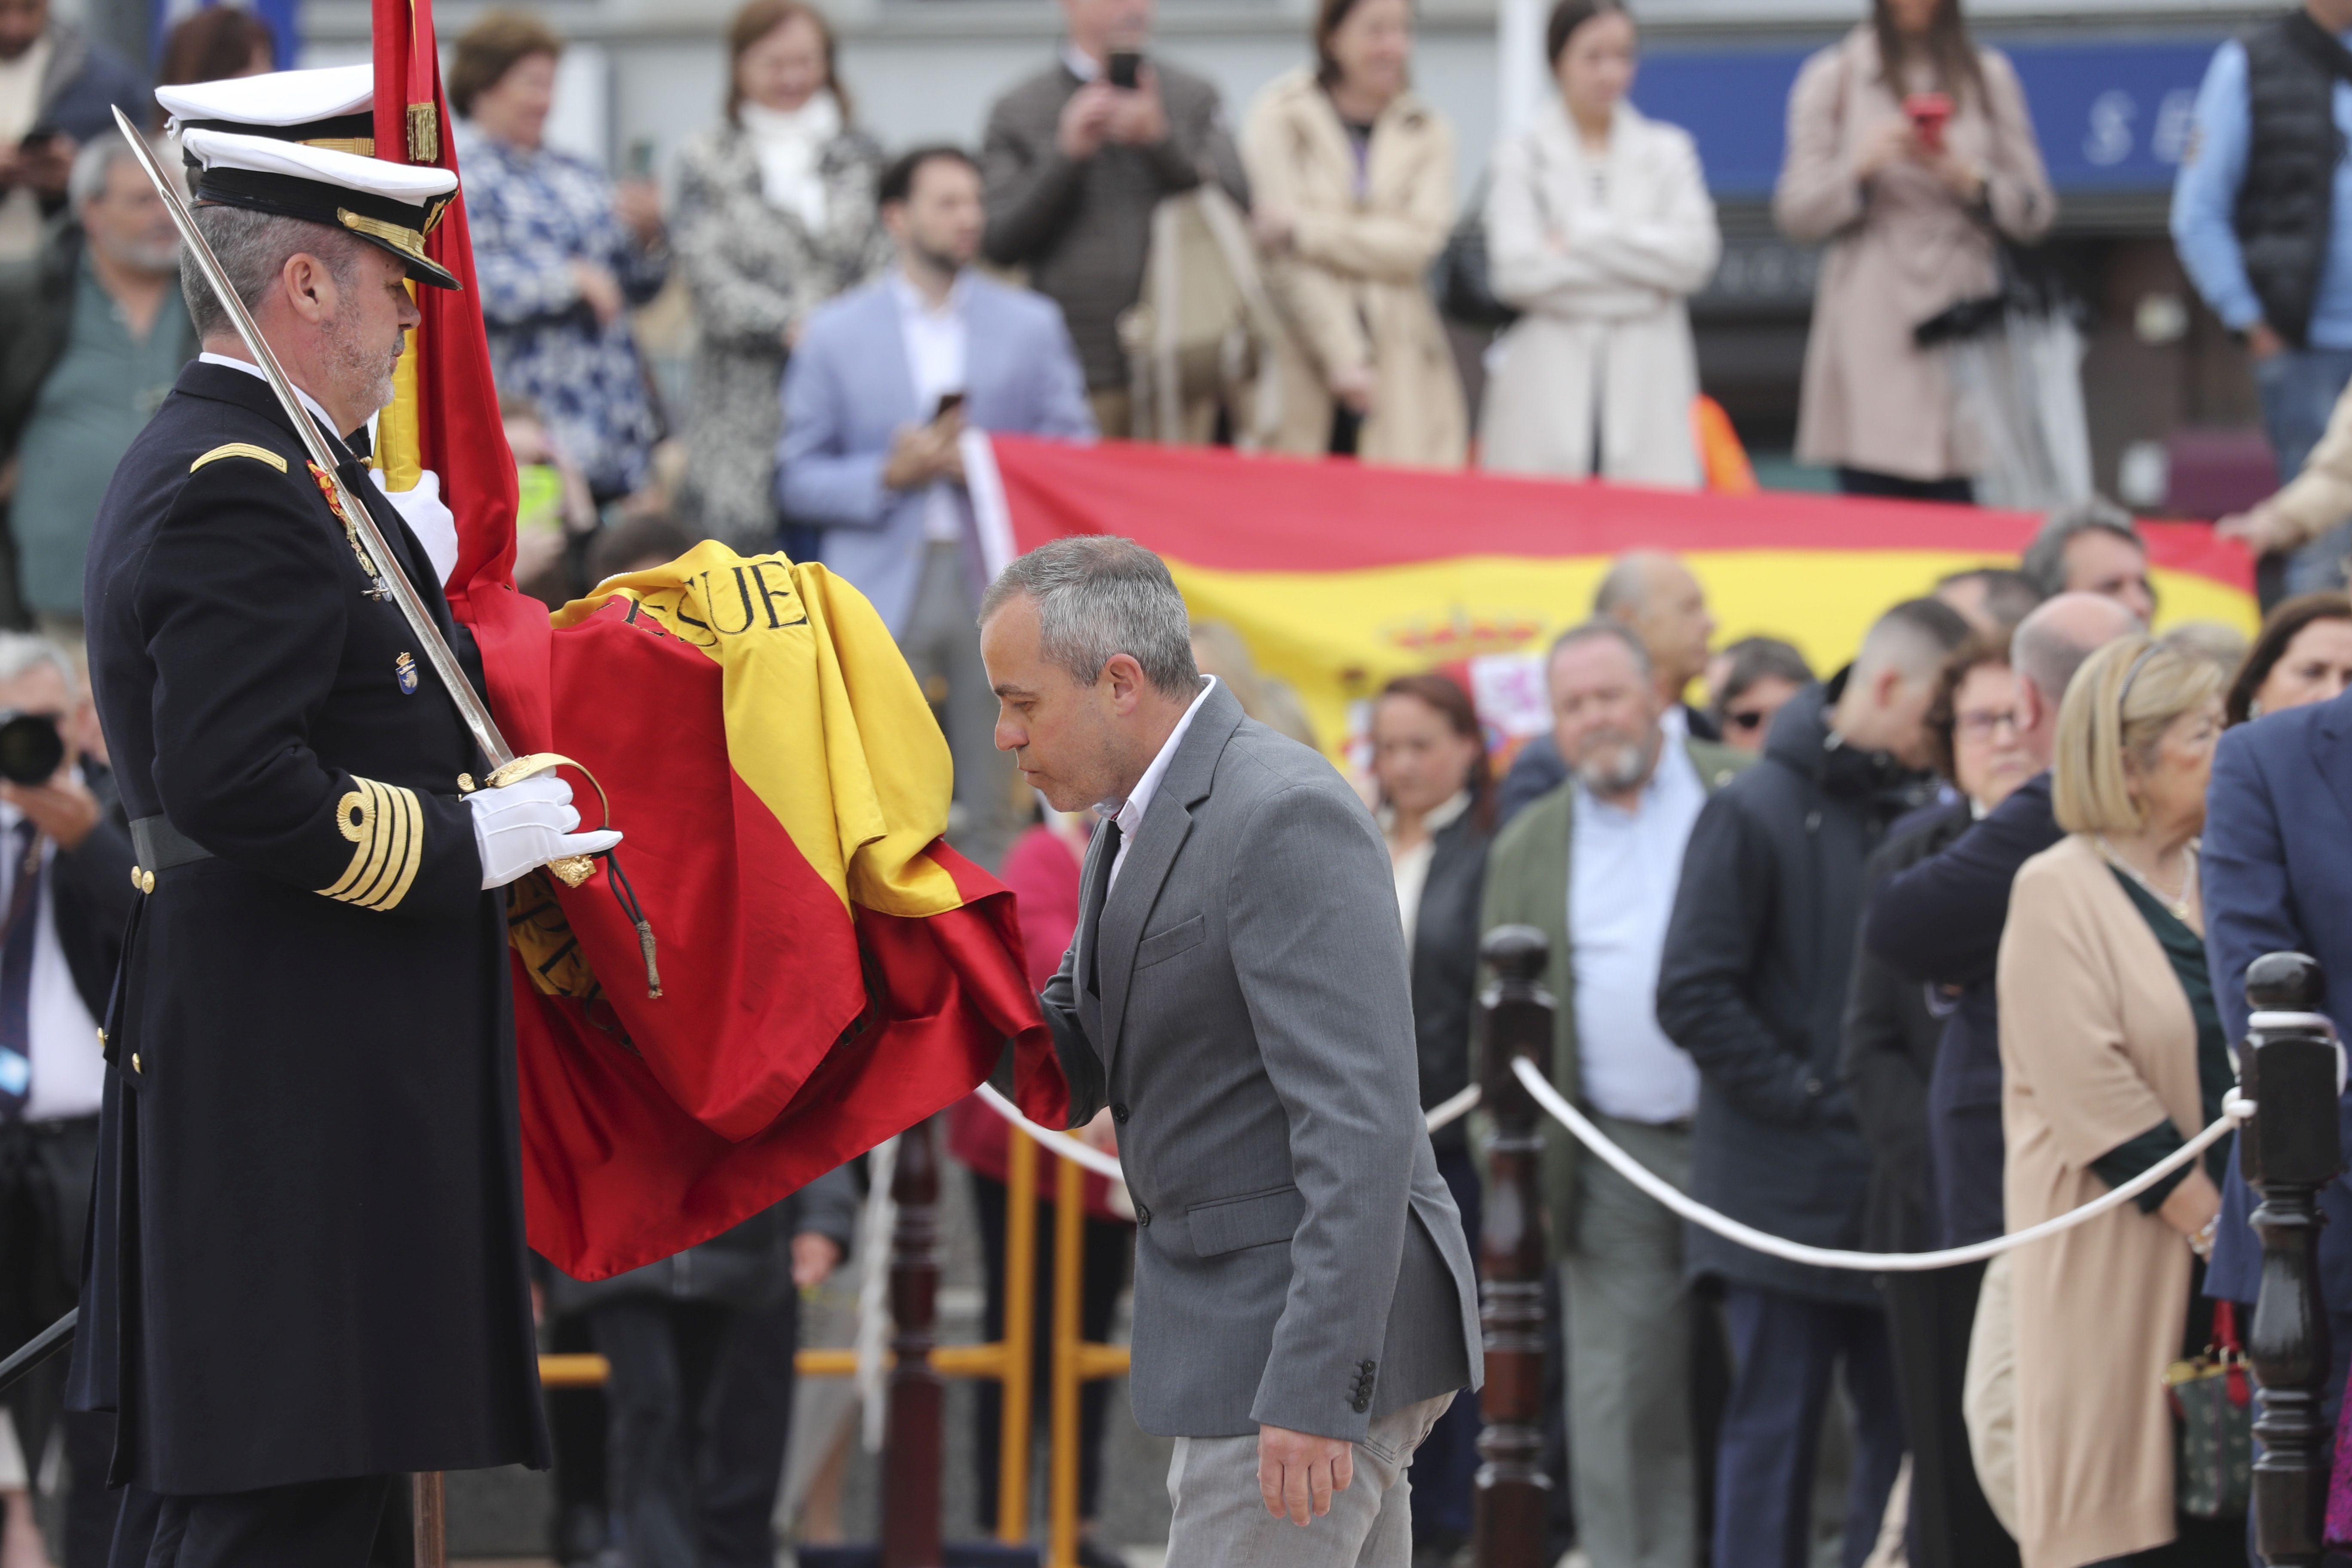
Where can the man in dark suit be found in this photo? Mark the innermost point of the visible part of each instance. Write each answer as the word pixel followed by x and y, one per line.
pixel 2277 874
pixel 61 937
pixel 1237 994
pixel 307 1270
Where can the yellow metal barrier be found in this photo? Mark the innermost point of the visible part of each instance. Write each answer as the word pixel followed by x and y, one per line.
pixel 1073 1361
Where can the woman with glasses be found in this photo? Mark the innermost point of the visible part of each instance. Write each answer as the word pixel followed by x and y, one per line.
pixel 2112 1054
pixel 1747 683
pixel 1892 1030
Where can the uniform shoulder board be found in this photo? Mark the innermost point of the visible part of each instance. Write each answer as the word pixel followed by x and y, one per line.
pixel 240 449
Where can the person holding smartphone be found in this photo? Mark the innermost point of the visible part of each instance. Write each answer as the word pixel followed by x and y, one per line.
pixel 1075 160
pixel 1911 159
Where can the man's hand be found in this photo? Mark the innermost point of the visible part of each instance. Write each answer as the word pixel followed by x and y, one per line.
pixel 62 809
pixel 637 203
pixel 1138 118
pixel 1101 1134
pixel 45 166
pixel 1297 1472
pixel 601 289
pixel 2260 527
pixel 815 1255
pixel 2262 343
pixel 922 454
pixel 1085 120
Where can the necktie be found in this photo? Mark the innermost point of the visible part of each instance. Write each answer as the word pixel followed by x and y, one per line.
pixel 1090 917
pixel 17 976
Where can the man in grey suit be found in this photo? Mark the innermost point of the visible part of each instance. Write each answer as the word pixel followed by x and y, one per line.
pixel 1237 994
pixel 876 399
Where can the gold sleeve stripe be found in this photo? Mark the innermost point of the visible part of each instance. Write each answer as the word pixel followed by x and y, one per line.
pixel 240 449
pixel 387 828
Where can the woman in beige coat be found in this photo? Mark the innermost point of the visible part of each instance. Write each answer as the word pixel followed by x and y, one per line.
pixel 1908 207
pixel 2112 1056
pixel 1598 227
pixel 1352 185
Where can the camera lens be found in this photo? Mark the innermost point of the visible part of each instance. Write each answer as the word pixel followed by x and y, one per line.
pixel 30 748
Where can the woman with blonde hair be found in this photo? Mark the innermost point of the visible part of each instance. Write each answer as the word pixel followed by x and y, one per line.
pixel 776 214
pixel 2112 1056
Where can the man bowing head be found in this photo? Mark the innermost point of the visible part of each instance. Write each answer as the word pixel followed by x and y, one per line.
pixel 1237 995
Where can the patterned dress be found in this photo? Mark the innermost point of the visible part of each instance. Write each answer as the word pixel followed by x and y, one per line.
pixel 533 213
pixel 756 269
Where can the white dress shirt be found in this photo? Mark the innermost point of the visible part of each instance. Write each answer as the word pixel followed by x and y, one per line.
pixel 1411 867
pixel 1128 813
pixel 1624 869
pixel 68 1073
pixel 935 344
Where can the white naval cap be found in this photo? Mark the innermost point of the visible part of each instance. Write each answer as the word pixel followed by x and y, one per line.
pixel 248 144
pixel 278 100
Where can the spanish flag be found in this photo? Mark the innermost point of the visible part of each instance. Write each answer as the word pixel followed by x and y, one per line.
pixel 796 967
pixel 1341 576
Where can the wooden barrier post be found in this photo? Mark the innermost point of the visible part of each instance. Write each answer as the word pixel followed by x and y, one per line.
pixel 912 1456
pixel 1514 1502
pixel 428 1517
pixel 2287 1151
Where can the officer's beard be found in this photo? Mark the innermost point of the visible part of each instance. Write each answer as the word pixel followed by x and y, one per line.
pixel 355 364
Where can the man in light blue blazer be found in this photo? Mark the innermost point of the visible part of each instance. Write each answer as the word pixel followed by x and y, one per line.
pixel 877 396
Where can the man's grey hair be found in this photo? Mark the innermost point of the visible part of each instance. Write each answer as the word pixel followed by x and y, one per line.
pixel 253 248
pixel 21 653
pixel 1097 597
pixel 1915 637
pixel 2044 562
pixel 92 166
pixel 1617 631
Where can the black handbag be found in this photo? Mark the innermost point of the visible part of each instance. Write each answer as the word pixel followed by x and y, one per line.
pixel 1461 280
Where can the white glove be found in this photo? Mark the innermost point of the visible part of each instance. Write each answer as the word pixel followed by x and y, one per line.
pixel 529 823
pixel 428 518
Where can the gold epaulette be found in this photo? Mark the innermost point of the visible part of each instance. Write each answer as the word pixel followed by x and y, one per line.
pixel 240 449
pixel 386 828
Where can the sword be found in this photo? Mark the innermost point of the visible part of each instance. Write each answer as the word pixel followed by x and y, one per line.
pixel 506 768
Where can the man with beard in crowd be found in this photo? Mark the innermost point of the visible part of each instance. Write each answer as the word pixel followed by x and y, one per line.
pixel 1593 864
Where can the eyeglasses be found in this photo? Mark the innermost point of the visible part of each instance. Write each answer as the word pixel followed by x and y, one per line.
pixel 1984 726
pixel 1746 719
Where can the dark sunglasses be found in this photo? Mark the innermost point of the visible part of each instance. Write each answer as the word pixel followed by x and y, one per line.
pixel 1745 718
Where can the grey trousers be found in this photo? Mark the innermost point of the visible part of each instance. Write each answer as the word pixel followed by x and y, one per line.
pixel 943 646
pixel 1631 1448
pixel 1220 1520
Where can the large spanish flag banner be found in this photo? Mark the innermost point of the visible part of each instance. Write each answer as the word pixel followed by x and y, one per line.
pixel 1341 576
pixel 795 967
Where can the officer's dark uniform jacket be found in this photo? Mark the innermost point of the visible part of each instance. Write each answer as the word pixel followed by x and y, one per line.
pixel 308 1240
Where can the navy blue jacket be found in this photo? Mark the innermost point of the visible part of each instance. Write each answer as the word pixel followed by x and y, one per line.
pixel 2277 873
pixel 1940 923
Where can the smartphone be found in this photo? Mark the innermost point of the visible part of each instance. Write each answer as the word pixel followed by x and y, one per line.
pixel 1928 112
pixel 1123 67
pixel 641 158
pixel 949 403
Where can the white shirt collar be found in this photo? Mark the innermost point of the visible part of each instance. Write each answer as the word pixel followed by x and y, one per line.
pixel 326 420
pixel 1083 66
pixel 1438 819
pixel 1128 814
pixel 913 302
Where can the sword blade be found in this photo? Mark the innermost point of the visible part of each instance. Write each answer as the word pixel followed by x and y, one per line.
pixel 438 653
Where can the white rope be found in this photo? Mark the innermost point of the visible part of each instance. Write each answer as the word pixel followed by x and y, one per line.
pixel 1103 1164
pixel 2234 1110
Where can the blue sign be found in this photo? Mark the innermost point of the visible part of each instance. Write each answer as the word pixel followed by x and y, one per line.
pixel 2112 118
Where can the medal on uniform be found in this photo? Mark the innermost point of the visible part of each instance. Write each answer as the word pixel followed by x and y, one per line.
pixel 378 587
pixel 403 670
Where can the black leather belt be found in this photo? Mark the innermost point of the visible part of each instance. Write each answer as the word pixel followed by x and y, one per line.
pixel 162 845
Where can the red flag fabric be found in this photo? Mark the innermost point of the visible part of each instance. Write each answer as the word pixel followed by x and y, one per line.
pixel 797 1025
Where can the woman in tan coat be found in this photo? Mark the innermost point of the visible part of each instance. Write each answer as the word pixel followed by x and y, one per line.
pixel 2112 1056
pixel 1352 184
pixel 1908 205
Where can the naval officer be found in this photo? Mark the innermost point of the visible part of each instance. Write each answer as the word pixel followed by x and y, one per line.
pixel 307 1272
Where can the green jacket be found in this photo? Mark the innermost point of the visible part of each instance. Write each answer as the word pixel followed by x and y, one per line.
pixel 1527 884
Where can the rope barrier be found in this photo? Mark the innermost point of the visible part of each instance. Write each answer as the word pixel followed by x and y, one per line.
pixel 1093 1159
pixel 2235 1109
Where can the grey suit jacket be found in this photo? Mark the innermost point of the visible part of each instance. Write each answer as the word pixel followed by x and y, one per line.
pixel 1298 1260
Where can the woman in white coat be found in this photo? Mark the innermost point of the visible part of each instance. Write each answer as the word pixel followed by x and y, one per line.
pixel 1598 227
